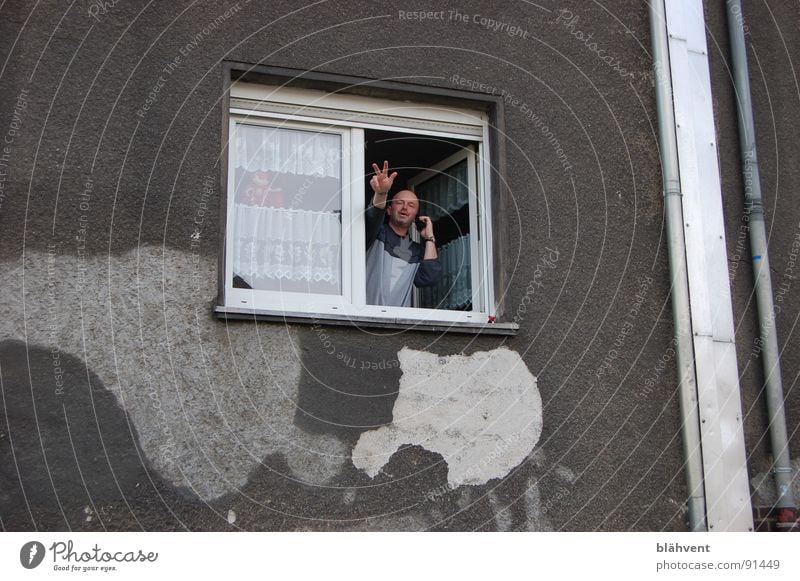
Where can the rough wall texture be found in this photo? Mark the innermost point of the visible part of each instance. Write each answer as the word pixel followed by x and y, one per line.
pixel 128 406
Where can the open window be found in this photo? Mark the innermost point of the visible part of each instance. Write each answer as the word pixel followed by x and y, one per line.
pixel 448 196
pixel 299 164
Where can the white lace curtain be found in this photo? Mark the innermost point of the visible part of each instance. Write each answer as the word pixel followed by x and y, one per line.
pixel 274 244
pixel 442 195
pixel 446 192
pixel 261 148
pixel 454 290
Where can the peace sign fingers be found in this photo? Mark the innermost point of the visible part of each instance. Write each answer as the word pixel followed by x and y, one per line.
pixel 382 182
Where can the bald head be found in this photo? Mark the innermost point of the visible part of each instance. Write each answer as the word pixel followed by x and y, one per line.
pixel 405 195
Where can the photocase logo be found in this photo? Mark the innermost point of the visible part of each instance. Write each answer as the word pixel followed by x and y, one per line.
pixel 31 554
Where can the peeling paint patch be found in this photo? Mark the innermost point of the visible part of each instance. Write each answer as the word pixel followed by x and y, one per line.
pixel 482 413
pixel 502 516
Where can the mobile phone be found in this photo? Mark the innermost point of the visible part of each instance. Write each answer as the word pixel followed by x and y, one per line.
pixel 420 224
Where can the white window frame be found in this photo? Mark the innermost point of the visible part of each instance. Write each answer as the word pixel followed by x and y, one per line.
pixel 349 116
pixel 291 301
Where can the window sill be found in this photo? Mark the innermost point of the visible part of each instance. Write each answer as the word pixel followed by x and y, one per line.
pixel 235 313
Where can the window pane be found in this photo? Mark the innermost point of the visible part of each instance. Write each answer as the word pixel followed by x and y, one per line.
pixel 287 229
pixel 445 199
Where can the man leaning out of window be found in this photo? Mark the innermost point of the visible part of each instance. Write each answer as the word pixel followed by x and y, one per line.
pixel 395 263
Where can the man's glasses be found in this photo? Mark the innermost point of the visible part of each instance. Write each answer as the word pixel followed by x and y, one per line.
pixel 400 203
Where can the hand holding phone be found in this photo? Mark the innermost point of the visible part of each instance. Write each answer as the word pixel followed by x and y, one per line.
pixel 424 226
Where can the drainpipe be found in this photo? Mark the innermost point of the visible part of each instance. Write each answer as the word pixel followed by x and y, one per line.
pixel 786 510
pixel 690 417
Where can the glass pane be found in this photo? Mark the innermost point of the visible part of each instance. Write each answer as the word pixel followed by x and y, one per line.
pixel 287 229
pixel 445 199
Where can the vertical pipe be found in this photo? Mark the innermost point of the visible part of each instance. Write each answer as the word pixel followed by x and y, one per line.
pixel 754 208
pixel 678 268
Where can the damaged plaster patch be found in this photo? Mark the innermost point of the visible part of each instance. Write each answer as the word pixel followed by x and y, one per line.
pixel 482 413
pixel 209 400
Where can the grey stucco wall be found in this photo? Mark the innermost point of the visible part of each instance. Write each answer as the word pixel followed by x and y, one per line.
pixel 241 425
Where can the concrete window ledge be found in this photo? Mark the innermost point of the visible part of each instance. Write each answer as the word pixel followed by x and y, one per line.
pixel 233 313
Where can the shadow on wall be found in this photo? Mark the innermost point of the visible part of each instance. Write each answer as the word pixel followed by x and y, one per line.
pixel 209 400
pixel 346 387
pixel 67 450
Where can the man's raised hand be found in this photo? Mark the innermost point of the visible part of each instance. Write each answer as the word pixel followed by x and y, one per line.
pixel 382 182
